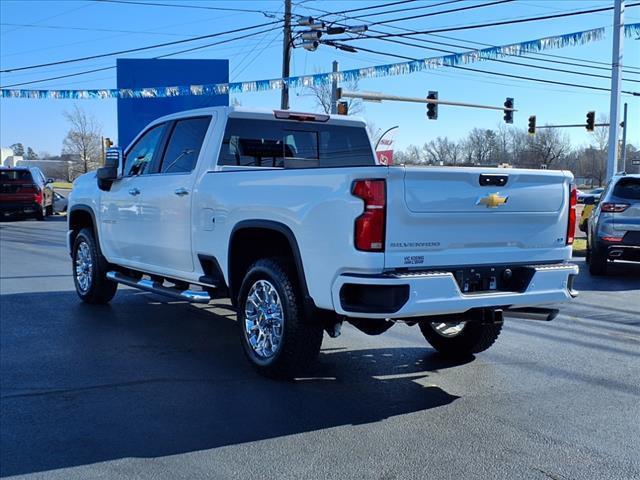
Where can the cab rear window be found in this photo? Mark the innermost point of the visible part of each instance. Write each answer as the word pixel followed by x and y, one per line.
pixel 285 144
pixel 627 188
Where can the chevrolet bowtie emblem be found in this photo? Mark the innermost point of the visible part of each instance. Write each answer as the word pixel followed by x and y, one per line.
pixel 492 200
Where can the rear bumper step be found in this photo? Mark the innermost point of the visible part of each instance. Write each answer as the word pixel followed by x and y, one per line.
pixel 429 293
pixel 154 287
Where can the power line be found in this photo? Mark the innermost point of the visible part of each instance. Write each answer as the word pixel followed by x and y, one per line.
pixel 607 67
pixel 383 36
pixel 433 5
pixel 89 29
pixel 590 62
pixel 521 77
pixel 522 64
pixel 180 5
pixel 442 12
pixel 160 56
pixel 149 47
pixel 361 8
pixel 489 24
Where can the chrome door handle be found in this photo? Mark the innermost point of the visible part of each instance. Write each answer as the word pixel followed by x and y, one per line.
pixel 134 192
pixel 181 191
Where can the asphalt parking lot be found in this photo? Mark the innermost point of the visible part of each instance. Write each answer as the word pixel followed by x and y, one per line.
pixel 149 387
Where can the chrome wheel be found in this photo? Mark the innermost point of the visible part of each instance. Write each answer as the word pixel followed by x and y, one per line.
pixel 263 319
pixel 448 329
pixel 84 266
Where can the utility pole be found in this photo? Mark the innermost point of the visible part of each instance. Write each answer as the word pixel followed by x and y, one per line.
pixel 286 55
pixel 334 89
pixel 616 67
pixel 624 137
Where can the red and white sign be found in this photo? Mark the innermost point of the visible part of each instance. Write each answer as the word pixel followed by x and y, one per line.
pixel 384 148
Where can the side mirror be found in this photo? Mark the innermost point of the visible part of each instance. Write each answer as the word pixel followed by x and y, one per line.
pixel 49 180
pixel 107 174
pixel 589 200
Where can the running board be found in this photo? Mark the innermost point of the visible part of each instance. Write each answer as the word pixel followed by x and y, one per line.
pixel 154 287
pixel 532 313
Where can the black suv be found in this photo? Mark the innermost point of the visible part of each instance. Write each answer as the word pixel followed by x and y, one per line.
pixel 25 191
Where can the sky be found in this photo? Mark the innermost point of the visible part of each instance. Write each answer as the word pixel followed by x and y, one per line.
pixel 34 32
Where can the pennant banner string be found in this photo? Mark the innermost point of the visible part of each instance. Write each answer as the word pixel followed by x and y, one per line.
pixel 391 69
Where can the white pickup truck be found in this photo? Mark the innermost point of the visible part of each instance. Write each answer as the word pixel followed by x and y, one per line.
pixel 289 216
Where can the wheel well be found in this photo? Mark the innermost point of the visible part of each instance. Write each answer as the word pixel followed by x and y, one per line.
pixel 250 244
pixel 79 219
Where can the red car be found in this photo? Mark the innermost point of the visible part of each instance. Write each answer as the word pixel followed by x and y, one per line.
pixel 24 191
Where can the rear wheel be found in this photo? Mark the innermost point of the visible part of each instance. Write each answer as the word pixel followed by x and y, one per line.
pixel 459 337
pixel 90 269
pixel 596 259
pixel 49 210
pixel 276 338
pixel 41 213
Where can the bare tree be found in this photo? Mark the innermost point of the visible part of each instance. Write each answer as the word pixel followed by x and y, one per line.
pixel 322 96
pixel 441 151
pixel 374 132
pixel 83 140
pixel 550 146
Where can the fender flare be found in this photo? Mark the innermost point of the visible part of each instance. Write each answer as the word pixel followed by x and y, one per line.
pixel 293 244
pixel 81 207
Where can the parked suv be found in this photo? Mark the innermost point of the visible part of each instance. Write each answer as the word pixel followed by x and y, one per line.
pixel 25 191
pixel 614 225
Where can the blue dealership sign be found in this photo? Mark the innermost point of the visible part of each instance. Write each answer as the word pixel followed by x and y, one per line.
pixel 135 113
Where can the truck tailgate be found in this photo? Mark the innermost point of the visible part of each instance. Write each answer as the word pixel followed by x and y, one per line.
pixel 446 217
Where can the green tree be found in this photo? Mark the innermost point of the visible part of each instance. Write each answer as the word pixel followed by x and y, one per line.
pixel 18 149
pixel 31 155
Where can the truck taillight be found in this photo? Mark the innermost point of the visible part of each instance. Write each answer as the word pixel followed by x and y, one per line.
pixel 571 227
pixel 370 226
pixel 613 207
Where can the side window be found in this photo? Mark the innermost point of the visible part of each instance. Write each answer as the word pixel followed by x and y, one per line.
pixel 184 145
pixel 138 160
pixel 345 146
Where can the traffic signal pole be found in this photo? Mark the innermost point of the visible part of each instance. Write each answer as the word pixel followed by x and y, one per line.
pixel 616 67
pixel 379 97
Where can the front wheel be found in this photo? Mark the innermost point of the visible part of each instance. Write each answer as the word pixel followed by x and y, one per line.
pixel 90 270
pixel 459 338
pixel 276 337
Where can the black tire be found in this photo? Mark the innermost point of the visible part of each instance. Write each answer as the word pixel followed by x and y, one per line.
pixel 98 290
pixel 597 261
pixel 49 210
pixel 41 214
pixel 475 337
pixel 301 338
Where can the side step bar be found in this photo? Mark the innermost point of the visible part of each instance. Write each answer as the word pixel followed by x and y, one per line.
pixel 532 313
pixel 155 287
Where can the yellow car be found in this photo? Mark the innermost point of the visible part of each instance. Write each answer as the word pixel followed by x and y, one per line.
pixel 584 218
pixel 589 200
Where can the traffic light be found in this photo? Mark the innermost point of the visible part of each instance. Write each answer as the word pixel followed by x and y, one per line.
pixel 591 121
pixel 432 108
pixel 508 114
pixel 532 125
pixel 343 108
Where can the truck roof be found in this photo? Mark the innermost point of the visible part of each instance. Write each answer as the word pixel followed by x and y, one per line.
pixel 263 114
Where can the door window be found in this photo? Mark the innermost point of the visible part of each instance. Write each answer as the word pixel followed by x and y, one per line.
pixel 139 158
pixel 181 154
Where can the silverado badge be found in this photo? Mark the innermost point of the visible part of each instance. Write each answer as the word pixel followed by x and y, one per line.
pixel 492 200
